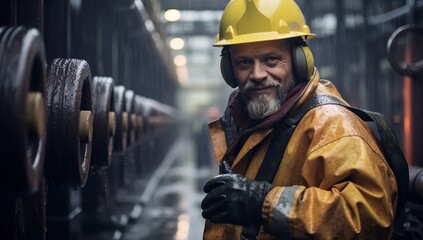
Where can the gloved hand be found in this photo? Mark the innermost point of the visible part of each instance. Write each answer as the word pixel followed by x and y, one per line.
pixel 232 198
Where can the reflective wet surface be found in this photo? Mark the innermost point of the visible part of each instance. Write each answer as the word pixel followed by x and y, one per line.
pixel 172 210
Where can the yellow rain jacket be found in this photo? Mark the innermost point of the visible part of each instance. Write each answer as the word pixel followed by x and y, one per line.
pixel 332 183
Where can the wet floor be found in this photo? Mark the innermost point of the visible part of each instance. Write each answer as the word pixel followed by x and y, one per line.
pixel 172 198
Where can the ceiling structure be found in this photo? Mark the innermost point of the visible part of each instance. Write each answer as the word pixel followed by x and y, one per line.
pixel 199 24
pixel 194 4
pixel 197 62
pixel 197 27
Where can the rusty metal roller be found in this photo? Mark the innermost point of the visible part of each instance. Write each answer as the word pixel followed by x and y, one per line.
pixel 22 109
pixel 121 120
pixel 132 116
pixel 70 123
pixel 104 121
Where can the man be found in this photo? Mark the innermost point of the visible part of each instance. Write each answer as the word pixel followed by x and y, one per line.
pixel 332 181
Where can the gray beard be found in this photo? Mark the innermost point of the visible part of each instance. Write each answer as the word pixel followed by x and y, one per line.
pixel 262 106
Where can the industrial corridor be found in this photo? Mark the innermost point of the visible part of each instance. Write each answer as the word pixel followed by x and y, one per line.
pixel 105 106
pixel 173 211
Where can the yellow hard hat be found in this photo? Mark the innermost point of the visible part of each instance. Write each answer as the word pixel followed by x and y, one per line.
pixel 245 21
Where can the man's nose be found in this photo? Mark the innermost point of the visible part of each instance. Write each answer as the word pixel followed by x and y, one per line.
pixel 258 72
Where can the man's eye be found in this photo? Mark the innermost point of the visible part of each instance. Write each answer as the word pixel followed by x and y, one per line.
pixel 243 63
pixel 272 60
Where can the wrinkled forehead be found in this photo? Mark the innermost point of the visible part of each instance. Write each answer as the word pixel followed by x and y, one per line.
pixel 282 46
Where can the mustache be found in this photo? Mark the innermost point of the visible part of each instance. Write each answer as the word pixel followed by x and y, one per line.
pixel 262 84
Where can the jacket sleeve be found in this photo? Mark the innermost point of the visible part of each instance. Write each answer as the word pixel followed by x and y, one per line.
pixel 348 192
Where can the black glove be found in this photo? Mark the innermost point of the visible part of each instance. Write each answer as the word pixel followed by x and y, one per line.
pixel 233 199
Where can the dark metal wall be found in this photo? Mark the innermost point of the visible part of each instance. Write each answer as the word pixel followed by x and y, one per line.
pixel 121 42
pixel 355 57
pixel 111 35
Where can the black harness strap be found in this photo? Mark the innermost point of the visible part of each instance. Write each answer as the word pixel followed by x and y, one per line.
pixel 267 171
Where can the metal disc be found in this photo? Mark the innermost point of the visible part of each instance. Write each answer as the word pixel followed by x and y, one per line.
pixel 140 117
pixel 132 117
pixel 121 120
pixel 104 121
pixel 22 108
pixel 70 123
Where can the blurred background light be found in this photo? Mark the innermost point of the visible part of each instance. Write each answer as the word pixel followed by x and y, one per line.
pixel 180 60
pixel 177 43
pixel 172 15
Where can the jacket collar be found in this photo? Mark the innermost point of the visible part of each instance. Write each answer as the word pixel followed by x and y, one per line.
pixel 309 92
pixel 301 93
pixel 242 119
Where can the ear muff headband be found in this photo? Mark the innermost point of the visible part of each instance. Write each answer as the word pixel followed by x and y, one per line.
pixel 302 63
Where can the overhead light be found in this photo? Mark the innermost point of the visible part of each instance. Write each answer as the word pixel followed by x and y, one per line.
pixel 177 43
pixel 180 60
pixel 172 15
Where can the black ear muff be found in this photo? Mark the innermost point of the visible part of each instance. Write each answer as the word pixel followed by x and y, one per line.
pixel 302 61
pixel 226 68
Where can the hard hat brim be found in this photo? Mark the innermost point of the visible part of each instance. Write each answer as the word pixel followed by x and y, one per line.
pixel 261 37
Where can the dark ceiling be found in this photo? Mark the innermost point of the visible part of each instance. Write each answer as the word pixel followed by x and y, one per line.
pixel 194 4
